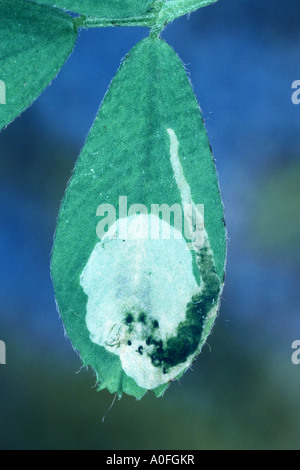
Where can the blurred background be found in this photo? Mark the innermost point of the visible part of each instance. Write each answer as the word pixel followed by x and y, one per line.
pixel 244 390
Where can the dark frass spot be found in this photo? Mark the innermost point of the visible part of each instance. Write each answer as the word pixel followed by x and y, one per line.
pixel 177 349
pixel 142 317
pixel 140 350
pixel 129 319
pixel 155 324
pixel 129 343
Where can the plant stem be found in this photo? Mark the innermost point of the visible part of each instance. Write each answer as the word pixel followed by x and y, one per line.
pixel 87 22
pixel 161 13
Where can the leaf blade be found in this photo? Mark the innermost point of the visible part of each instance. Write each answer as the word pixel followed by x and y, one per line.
pixel 35 42
pixel 128 154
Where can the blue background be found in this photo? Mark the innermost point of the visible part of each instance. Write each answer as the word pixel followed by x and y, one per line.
pixel 243 391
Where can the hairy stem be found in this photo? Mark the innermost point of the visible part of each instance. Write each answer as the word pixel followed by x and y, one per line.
pixel 160 14
pixel 87 22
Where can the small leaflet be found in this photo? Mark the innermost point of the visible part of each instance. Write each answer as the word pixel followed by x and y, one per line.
pixel 140 248
pixel 35 42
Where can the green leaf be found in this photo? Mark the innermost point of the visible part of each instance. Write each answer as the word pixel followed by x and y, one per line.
pixel 172 9
pixel 103 8
pixel 35 41
pixel 138 306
